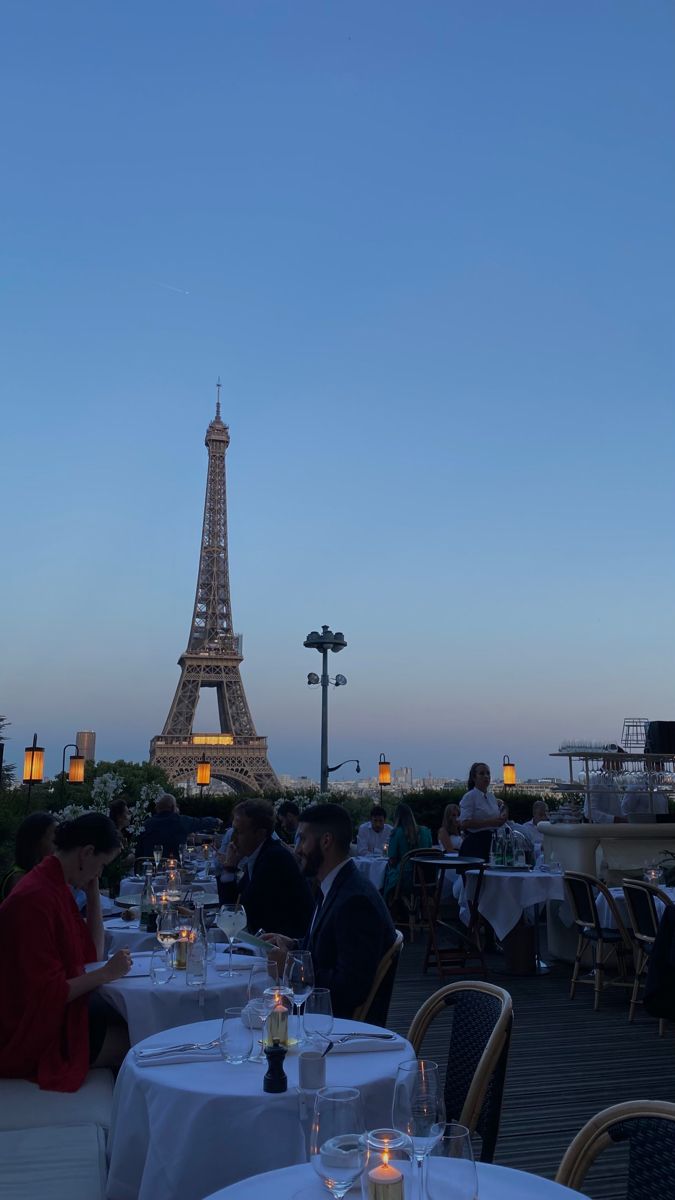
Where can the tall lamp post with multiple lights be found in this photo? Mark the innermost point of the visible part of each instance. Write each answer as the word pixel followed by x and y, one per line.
pixel 323 642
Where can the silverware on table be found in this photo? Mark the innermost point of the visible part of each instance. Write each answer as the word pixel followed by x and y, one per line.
pixel 185 1047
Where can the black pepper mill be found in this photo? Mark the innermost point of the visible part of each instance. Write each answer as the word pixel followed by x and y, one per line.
pixel 275 1079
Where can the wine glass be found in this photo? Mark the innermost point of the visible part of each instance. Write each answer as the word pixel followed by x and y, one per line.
pixel 318 1014
pixel 299 979
pixel 337 1146
pixel 231 919
pixel 167 929
pixel 262 988
pixel 419 1108
pixel 451 1170
pixel 157 852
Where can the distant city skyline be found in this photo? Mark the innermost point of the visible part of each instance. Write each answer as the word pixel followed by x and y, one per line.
pixel 428 248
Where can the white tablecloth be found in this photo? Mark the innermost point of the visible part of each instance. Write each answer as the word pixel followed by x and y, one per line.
pixel 605 915
pixel 374 868
pixel 178 1132
pixel 494 1183
pixel 149 1008
pixel 132 886
pixel 506 895
pixel 119 933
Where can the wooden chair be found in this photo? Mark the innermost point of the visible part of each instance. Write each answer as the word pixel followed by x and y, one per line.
pixel 375 1007
pixel 644 918
pixel 649 1128
pixel 415 901
pixel 467 947
pixel 477 1054
pixel 581 891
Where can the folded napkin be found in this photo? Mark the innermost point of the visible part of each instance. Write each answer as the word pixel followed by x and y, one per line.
pixel 367 1045
pixel 214 1054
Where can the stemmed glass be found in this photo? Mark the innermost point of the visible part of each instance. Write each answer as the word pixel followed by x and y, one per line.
pixel 299 979
pixel 157 852
pixel 318 1015
pixel 338 1146
pixel 231 919
pixel 419 1109
pixel 451 1170
pixel 167 929
pixel 262 989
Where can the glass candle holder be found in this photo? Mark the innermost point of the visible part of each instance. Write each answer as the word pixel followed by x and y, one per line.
pixel 388 1173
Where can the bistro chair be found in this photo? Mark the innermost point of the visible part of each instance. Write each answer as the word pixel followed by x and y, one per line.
pixel 581 891
pixel 644 917
pixel 375 1007
pixel 466 944
pixel 409 893
pixel 648 1126
pixel 477 1054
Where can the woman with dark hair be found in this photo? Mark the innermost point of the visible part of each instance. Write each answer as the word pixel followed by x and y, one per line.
pixel 406 835
pixel 34 839
pixel 52 1026
pixel 480 813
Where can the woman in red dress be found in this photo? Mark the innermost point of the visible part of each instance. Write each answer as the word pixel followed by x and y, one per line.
pixel 45 1029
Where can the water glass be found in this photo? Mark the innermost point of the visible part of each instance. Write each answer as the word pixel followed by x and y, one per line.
pixel 337 1144
pixel 236 1039
pixel 161 970
pixel 318 1015
pixel 451 1170
pixel 195 971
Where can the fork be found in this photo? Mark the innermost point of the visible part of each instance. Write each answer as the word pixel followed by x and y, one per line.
pixel 157 1051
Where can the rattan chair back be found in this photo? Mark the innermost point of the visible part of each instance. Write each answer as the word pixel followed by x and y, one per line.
pixel 643 914
pixel 376 1005
pixel 477 1053
pixel 648 1126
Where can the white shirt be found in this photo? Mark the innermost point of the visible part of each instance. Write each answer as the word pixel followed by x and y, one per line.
pixel 639 802
pixel 477 805
pixel 606 800
pixel 532 831
pixel 368 839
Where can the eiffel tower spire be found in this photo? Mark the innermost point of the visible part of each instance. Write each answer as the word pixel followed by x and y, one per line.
pixel 214 653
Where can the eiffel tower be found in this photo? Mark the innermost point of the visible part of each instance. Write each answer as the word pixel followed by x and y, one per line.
pixel 236 754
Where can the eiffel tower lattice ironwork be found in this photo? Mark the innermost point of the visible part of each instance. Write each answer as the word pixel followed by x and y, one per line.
pixel 212 659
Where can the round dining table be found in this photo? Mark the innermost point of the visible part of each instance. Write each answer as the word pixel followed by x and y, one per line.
pixel 372 867
pixel 494 1183
pixel 149 1007
pixel 120 933
pixel 181 1129
pixel 506 895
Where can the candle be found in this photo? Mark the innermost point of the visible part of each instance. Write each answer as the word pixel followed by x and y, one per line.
pixel 385 1182
pixel 180 950
pixel 276 1026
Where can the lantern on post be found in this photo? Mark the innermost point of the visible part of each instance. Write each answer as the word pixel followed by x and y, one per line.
pixel 508 772
pixel 383 774
pixel 33 764
pixel 203 773
pixel 75 766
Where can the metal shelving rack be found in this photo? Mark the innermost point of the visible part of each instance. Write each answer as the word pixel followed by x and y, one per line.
pixel 625 764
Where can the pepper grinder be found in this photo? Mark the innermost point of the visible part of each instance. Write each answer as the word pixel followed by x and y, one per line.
pixel 275 1079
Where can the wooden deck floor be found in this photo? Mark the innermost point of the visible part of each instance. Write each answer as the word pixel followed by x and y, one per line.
pixel 566 1063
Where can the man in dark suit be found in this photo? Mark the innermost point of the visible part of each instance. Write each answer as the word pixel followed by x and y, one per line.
pixel 351 927
pixel 271 887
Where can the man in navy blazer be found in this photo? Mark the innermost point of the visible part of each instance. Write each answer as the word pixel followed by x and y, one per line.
pixel 351 927
pixel 271 886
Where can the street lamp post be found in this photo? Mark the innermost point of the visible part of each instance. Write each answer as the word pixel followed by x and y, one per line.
pixel 33 764
pixel 203 774
pixel 383 774
pixel 323 642
pixel 75 767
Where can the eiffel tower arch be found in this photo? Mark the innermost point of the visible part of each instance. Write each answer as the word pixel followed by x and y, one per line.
pixel 238 756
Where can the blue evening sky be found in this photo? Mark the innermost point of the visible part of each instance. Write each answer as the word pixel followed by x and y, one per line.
pixel 428 247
